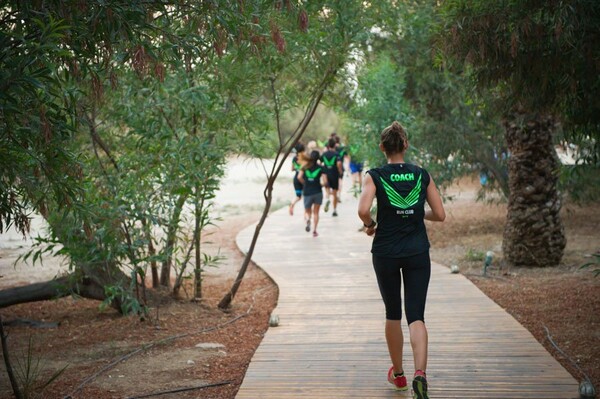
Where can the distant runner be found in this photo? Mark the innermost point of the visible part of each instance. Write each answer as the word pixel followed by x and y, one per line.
pixel 333 169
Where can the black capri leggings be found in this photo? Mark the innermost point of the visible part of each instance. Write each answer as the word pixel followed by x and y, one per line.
pixel 415 271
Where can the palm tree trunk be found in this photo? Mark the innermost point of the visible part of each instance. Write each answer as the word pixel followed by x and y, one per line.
pixel 534 234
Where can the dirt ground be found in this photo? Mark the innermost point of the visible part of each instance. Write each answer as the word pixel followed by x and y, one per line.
pixel 193 345
pixel 558 305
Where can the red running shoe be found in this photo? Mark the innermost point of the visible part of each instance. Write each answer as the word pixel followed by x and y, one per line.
pixel 398 381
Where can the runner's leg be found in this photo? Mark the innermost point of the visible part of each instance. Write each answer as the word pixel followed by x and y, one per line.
pixel 416 274
pixel 389 280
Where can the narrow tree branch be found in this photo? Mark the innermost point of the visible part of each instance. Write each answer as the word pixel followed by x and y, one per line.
pixel 9 370
pixel 305 121
pixel 166 118
pixel 98 140
pixel 179 276
pixel 277 110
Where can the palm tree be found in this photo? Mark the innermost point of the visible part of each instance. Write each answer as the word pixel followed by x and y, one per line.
pixel 541 59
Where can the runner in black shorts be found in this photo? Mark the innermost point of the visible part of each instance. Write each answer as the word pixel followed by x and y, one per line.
pixel 401 249
pixel 333 168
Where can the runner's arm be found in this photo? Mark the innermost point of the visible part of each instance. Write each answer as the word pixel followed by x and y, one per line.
pixel 366 202
pixel 437 212
pixel 324 181
pixel 301 176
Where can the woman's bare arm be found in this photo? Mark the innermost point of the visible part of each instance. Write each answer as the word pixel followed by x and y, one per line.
pixel 301 176
pixel 366 202
pixel 437 212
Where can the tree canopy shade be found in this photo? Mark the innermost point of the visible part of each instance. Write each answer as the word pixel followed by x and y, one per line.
pixel 539 55
pixel 50 52
pixel 58 61
pixel 147 98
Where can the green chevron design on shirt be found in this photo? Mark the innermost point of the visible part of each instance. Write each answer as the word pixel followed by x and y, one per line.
pixel 329 162
pixel 297 165
pixel 402 202
pixel 313 174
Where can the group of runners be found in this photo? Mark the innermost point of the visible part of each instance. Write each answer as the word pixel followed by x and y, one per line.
pixel 317 168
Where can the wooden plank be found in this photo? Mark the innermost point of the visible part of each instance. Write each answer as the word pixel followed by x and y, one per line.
pixel 330 342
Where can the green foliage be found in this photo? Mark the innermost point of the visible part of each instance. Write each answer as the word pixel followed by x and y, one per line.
pixel 457 130
pixel 439 108
pixel 377 103
pixel 540 56
pixel 473 255
pixel 129 304
pixel 35 120
pixel 57 59
pixel 581 182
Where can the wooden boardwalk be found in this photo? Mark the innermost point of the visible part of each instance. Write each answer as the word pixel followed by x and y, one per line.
pixel 330 342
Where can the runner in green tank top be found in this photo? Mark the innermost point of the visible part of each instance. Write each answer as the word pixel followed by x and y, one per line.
pixel 333 169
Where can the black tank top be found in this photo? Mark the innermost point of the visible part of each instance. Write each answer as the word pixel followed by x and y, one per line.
pixel 312 180
pixel 401 191
pixel 330 159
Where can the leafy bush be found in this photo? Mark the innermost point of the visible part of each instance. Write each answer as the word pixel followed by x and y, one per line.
pixel 474 255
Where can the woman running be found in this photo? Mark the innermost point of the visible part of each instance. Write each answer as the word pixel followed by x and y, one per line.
pixel 400 249
pixel 310 176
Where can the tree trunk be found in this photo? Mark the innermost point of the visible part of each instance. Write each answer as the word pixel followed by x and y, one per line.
pixel 9 370
pixel 91 286
pixel 153 265
pixel 152 253
pixel 165 272
pixel 197 231
pixel 225 302
pixel 534 234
